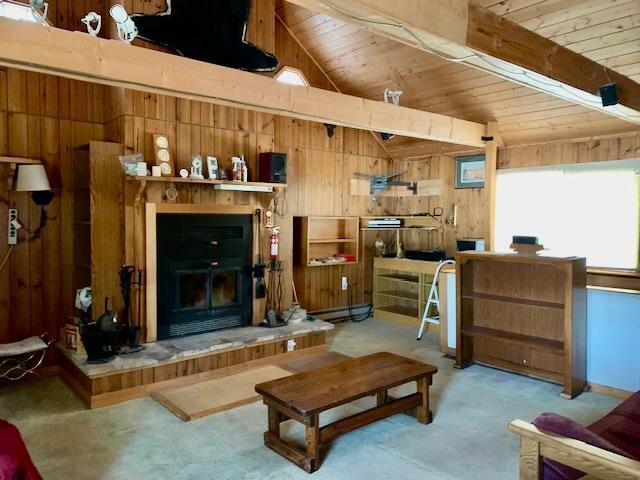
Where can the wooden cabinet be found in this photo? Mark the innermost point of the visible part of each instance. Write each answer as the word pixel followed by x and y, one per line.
pixel 318 239
pixel 523 313
pixel 98 233
pixel 400 289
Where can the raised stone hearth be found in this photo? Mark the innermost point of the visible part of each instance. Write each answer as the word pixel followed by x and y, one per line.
pixel 135 375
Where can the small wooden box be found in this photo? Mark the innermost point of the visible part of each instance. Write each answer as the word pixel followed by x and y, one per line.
pixel 71 337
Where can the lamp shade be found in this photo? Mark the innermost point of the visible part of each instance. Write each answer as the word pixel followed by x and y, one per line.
pixel 32 178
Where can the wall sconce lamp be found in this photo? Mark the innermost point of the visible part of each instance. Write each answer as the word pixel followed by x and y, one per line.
pixel 33 178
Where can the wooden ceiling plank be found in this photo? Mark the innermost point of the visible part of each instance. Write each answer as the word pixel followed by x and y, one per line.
pixel 586 21
pixel 490 42
pixel 377 138
pixel 571 12
pixel 618 25
pixel 83 57
pixel 608 40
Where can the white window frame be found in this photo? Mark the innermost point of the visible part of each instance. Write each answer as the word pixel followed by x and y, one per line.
pixel 603 166
pixel 291 71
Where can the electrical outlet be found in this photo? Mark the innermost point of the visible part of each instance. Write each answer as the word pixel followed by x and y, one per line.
pixel 345 283
pixel 12 228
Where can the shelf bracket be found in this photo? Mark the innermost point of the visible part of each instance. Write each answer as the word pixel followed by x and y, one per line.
pixel 140 193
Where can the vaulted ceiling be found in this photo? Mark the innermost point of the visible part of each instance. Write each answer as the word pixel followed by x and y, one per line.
pixel 364 64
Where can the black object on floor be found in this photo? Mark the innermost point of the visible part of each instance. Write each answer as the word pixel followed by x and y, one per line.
pixel 100 338
pixel 212 31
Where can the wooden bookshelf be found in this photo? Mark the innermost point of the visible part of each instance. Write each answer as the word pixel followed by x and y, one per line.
pixel 400 289
pixel 317 238
pixel 523 313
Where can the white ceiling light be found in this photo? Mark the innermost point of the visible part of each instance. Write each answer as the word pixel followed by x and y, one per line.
pixel 36 12
pixel 392 96
pixel 127 30
pixel 292 76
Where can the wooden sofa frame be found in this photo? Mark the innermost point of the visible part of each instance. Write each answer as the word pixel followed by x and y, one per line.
pixel 596 462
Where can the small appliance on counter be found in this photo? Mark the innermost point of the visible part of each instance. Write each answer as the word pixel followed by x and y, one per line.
pixel 471 244
pixel 384 223
pixel 435 255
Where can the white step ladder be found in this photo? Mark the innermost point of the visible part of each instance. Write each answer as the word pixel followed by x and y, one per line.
pixel 434 299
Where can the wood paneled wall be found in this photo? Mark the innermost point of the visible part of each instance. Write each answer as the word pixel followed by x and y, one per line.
pixel 46 117
pixel 43 117
pixel 320 169
pixel 473 202
pixel 572 151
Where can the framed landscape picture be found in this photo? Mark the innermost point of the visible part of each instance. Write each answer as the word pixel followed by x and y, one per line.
pixel 470 171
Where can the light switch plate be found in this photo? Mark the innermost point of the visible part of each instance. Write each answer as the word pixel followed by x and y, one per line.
pixel 345 283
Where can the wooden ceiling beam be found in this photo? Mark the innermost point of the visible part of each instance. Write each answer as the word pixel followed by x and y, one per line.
pixel 83 57
pixel 464 32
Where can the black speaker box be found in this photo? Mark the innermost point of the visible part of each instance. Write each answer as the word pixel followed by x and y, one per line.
pixel 272 167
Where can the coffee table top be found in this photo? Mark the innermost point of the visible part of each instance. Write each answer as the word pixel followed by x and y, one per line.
pixel 323 388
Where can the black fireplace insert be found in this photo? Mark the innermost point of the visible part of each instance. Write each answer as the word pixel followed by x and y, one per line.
pixel 204 270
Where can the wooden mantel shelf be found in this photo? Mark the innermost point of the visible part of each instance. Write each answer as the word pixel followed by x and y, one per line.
pixel 203 181
pixel 80 56
pixel 142 181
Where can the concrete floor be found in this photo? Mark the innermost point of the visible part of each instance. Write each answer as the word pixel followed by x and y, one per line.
pixel 141 440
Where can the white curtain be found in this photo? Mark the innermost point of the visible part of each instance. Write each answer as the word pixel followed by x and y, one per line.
pixel 590 210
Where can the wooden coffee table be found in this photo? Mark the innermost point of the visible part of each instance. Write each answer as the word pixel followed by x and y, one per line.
pixel 303 397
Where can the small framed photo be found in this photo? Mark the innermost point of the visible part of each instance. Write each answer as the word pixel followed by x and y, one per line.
pixel 470 171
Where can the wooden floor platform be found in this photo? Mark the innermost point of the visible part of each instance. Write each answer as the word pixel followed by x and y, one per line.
pixel 114 387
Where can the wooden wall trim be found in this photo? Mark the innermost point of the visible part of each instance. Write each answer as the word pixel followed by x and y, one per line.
pixel 151 320
pixel 491 162
pixel 84 57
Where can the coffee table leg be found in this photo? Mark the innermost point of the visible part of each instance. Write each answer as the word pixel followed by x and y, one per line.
pixel 381 398
pixel 423 414
pixel 313 443
pixel 275 418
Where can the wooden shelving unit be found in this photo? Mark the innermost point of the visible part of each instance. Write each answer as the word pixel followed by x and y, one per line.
pixel 322 237
pixel 400 289
pixel 523 313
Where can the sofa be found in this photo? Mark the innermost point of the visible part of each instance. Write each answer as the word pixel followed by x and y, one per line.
pixel 553 447
pixel 15 462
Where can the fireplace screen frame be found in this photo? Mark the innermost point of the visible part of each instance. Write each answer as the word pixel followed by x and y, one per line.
pixel 208 250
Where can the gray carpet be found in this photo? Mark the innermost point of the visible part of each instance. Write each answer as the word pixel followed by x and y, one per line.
pixel 141 440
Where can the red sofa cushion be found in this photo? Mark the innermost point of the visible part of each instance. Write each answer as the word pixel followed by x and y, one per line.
pixel 15 462
pixel 617 432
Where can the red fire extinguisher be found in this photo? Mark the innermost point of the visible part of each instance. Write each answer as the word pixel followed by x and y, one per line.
pixel 274 241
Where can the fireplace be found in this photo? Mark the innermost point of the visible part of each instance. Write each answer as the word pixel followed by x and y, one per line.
pixel 204 273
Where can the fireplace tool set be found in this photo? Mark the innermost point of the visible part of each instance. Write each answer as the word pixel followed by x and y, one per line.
pixel 107 336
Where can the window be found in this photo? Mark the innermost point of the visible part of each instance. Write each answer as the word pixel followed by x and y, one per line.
pixel 292 76
pixel 590 210
pixel 20 11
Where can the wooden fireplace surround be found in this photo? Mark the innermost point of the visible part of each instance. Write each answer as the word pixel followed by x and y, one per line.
pixel 151 211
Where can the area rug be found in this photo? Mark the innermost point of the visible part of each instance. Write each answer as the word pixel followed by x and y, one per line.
pixel 216 395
